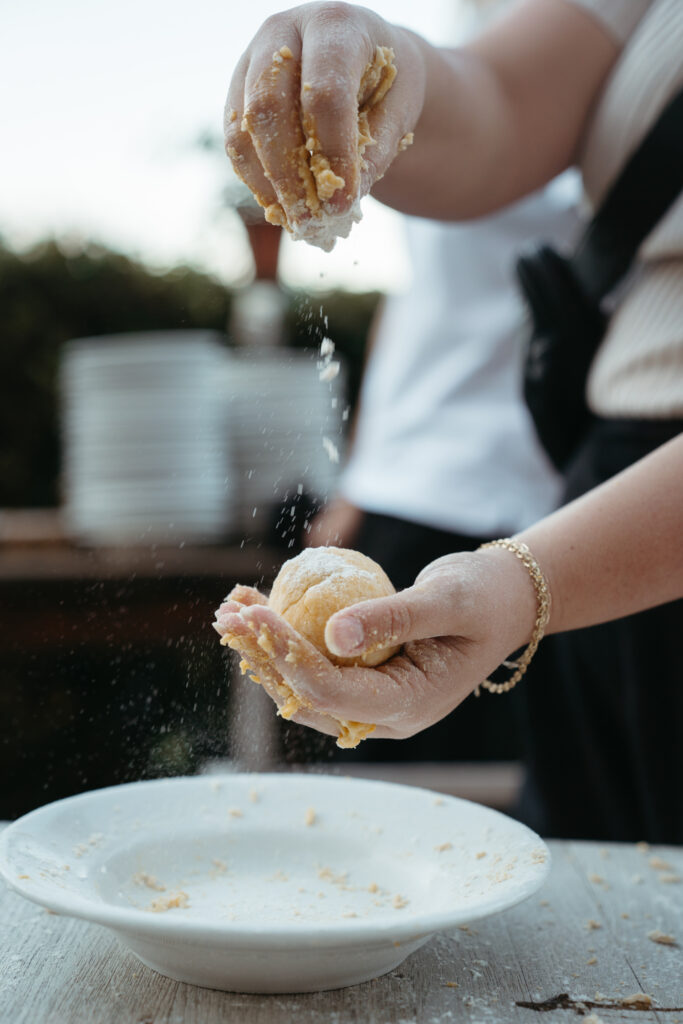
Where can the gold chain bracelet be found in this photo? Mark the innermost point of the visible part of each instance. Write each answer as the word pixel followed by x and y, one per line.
pixel 540 583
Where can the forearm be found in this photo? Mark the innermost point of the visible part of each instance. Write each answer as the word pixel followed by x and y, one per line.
pixel 489 123
pixel 451 172
pixel 503 115
pixel 618 549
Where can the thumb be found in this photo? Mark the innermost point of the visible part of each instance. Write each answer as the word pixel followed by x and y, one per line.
pixel 418 612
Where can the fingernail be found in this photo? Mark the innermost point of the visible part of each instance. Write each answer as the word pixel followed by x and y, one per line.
pixel 344 636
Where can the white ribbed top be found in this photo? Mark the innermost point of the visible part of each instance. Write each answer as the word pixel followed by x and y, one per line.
pixel 638 371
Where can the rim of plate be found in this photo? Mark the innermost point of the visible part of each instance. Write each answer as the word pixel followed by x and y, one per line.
pixel 277 937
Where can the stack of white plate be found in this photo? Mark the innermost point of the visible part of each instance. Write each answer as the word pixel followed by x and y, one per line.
pixel 285 424
pixel 146 456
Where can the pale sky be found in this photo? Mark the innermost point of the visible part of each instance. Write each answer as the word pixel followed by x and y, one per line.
pixel 100 104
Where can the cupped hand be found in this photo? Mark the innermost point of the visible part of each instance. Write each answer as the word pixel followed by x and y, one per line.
pixel 463 616
pixel 256 647
pixel 293 108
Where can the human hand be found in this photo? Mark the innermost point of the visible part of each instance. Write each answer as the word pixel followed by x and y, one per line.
pixel 314 116
pixel 458 622
pixel 256 648
pixel 337 524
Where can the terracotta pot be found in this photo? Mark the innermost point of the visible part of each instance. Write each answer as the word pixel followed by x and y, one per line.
pixel 265 245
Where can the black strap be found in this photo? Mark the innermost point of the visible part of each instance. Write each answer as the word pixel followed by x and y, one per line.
pixel 645 189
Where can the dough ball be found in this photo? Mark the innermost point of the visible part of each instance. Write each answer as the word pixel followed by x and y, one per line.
pixel 310 588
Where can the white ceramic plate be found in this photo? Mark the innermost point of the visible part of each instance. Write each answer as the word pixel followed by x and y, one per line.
pixel 272 883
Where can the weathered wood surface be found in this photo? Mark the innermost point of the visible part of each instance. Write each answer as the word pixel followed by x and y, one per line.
pixel 580 947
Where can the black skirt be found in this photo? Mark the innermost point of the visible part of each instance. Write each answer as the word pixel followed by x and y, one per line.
pixel 604 727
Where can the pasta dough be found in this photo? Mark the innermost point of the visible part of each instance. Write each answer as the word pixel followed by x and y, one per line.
pixel 307 592
pixel 310 588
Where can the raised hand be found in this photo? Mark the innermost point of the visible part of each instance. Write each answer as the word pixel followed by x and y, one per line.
pixel 320 104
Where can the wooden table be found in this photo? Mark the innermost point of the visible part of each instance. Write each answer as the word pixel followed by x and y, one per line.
pixel 577 949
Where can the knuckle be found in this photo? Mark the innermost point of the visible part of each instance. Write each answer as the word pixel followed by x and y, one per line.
pixel 237 144
pixel 281 185
pixel 263 107
pixel 231 120
pixel 231 125
pixel 330 98
pixel 398 621
pixel 275 23
pixel 372 168
pixel 335 11
pixel 234 152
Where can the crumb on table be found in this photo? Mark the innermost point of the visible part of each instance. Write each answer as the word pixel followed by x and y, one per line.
pixel 638 1001
pixel 662 938
pixel 659 865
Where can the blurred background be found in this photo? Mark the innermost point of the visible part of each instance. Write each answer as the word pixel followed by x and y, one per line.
pixel 164 431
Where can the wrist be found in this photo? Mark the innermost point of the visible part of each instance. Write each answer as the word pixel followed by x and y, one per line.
pixel 545 550
pixel 542 595
pixel 522 592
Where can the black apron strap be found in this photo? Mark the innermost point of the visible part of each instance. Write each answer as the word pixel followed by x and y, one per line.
pixel 646 188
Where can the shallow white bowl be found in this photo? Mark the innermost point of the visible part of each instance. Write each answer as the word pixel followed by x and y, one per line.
pixel 286 883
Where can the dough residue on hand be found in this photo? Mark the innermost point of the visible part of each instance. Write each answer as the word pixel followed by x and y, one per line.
pixel 307 592
pixel 309 218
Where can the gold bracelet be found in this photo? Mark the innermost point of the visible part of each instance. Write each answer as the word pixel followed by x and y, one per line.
pixel 540 583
